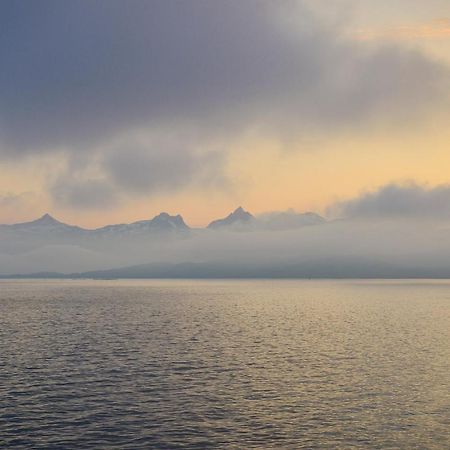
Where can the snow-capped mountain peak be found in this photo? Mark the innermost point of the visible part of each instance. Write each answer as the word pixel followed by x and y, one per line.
pixel 239 217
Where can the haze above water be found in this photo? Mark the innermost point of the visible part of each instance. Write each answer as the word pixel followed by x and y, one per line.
pixel 225 364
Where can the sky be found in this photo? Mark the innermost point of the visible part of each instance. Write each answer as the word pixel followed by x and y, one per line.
pixel 114 111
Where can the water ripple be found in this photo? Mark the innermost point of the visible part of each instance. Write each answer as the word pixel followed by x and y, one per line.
pixel 224 364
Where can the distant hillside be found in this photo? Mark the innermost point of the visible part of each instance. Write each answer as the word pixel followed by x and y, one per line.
pixel 345 268
pixel 48 245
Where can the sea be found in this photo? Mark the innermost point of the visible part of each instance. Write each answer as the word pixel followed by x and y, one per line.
pixel 224 364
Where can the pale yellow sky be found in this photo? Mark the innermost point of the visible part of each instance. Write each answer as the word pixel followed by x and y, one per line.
pixel 265 174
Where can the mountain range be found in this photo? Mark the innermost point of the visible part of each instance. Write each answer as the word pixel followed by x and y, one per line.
pixel 48 245
pixel 278 244
pixel 48 224
pixel 238 220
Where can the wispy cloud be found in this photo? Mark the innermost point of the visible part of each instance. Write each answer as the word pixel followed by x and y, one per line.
pixel 436 29
pixel 19 206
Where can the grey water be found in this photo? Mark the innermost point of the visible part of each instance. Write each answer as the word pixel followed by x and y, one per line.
pixel 225 364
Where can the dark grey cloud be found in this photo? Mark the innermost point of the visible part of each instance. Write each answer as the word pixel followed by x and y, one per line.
pixel 86 77
pixel 139 171
pixel 77 71
pixel 75 74
pixel 408 200
pixel 80 193
pixel 134 170
pixel 159 169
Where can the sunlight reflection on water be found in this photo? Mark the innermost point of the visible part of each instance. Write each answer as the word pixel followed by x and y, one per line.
pixel 224 364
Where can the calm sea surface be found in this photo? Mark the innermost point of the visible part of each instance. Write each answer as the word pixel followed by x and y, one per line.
pixel 225 364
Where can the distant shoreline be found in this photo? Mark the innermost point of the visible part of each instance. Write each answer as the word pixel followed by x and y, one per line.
pixel 81 278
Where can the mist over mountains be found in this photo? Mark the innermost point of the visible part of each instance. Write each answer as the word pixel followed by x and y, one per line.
pixel 277 244
pixel 47 244
pixel 47 228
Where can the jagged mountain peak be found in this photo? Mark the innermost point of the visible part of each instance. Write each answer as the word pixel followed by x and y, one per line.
pixel 164 218
pixel 237 218
pixel 241 212
pixel 163 222
pixel 46 219
pixel 44 224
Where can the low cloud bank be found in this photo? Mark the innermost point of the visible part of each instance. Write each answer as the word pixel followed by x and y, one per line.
pixel 363 248
pixel 408 200
pixel 399 230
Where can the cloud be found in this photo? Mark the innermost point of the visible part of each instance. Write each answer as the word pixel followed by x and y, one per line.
pixel 149 170
pixel 408 200
pixel 79 74
pixel 435 29
pixel 19 206
pixel 79 77
pixel 336 249
pixel 83 193
pixel 9 199
pixel 139 169
pixel 287 220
